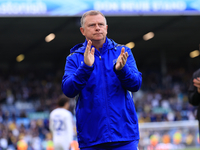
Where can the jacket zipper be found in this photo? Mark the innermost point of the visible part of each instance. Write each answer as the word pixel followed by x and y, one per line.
pixel 105 96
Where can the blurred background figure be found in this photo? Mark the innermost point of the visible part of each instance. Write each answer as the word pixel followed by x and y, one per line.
pixel 22 144
pixel 61 124
pixel 194 92
pixel 48 143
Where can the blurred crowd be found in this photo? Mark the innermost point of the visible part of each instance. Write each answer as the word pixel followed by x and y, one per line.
pixel 27 97
pixel 164 98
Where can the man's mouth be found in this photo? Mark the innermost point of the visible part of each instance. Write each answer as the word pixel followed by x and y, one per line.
pixel 97 33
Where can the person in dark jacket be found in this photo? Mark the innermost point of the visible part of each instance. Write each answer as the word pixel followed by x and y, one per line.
pixel 194 93
pixel 103 74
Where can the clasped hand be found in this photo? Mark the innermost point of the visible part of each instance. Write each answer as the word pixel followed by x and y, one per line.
pixel 89 56
pixel 121 60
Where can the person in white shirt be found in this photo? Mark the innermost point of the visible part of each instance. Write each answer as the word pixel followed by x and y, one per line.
pixel 61 124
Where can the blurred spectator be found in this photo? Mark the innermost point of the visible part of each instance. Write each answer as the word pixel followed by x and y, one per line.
pixel 22 144
pixel 194 92
pixel 61 123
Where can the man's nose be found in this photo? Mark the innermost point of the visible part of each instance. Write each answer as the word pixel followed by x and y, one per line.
pixel 97 27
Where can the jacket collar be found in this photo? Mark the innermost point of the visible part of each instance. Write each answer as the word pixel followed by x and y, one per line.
pixel 80 48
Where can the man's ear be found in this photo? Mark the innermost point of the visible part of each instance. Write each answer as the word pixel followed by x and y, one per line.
pixel 82 30
pixel 106 29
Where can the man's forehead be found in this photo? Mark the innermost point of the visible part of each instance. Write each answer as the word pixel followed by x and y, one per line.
pixel 98 17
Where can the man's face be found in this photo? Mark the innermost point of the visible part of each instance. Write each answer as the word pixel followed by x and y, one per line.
pixel 95 28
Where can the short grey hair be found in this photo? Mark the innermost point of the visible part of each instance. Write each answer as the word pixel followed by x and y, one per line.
pixel 91 13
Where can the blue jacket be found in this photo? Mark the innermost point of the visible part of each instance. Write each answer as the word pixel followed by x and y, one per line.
pixel 105 110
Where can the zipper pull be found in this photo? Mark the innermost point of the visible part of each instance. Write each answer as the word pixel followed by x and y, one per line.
pixel 100 57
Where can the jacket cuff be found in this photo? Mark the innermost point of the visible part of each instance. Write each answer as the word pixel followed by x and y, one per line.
pixel 122 72
pixel 84 72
